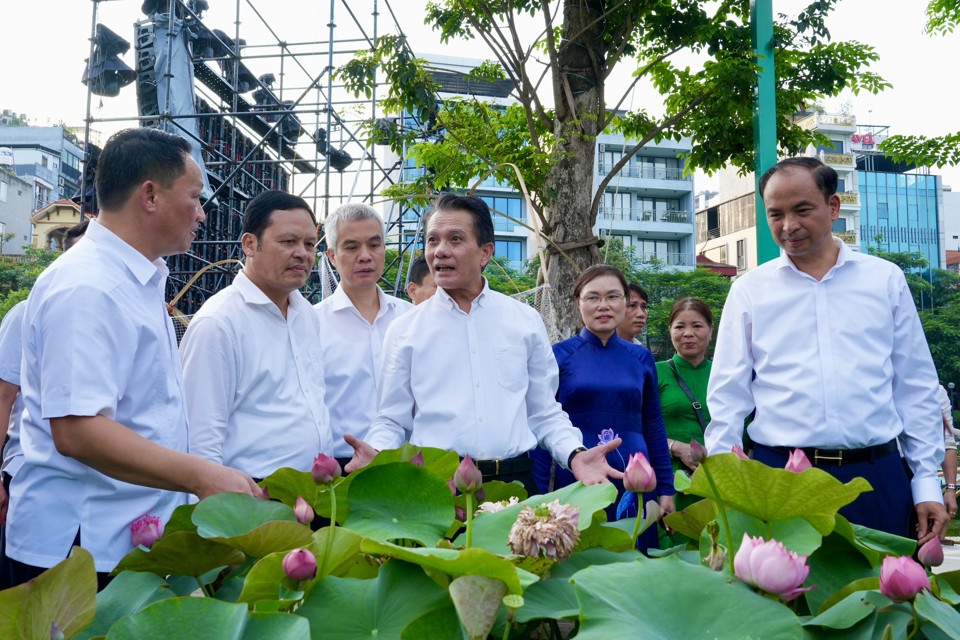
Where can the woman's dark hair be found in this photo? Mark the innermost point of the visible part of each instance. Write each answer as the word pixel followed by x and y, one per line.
pixel 690 304
pixel 592 273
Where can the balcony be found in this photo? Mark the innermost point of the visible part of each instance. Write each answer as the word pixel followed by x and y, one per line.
pixel 848 237
pixel 827 121
pixel 849 197
pixel 645 173
pixel 669 259
pixel 843 160
pixel 641 215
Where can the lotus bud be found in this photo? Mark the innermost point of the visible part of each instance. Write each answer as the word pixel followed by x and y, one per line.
pixel 931 553
pixel 768 566
pixel 698 452
pixel 265 493
pixel 467 477
pixel 639 476
pixel 798 461
pixel 146 530
pixel 300 565
pixel 902 578
pixel 738 451
pixel 453 487
pixel 417 459
pixel 325 469
pixel 303 511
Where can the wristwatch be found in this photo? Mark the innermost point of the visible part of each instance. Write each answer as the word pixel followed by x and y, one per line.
pixel 573 454
pixel 949 485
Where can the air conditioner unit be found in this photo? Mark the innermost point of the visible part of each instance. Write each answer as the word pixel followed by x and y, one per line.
pixel 602 147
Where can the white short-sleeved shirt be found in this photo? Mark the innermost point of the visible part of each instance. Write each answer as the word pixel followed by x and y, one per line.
pixel 482 383
pixel 11 352
pixel 97 341
pixel 352 350
pixel 254 382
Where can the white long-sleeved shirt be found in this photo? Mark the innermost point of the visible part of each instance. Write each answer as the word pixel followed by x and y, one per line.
pixel 840 363
pixel 254 382
pixel 353 349
pixel 97 340
pixel 482 383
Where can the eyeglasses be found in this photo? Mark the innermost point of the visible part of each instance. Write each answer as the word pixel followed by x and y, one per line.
pixel 593 299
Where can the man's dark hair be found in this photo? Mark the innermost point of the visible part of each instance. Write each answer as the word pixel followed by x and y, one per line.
pixel 640 291
pixel 472 205
pixel 132 156
pixel 74 233
pixel 419 270
pixel 256 217
pixel 825 177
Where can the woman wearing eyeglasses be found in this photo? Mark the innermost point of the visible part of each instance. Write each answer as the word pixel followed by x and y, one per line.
pixel 608 387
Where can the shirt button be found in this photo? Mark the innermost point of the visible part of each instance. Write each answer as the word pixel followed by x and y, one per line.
pixel 478 385
pixel 480 419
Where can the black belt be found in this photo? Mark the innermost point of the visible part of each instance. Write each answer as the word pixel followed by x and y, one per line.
pixel 505 466
pixel 838 457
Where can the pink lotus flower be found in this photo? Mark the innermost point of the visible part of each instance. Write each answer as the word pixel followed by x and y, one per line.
pixel 467 478
pixel 738 451
pixel 303 511
pixel 639 476
pixel 325 469
pixel 300 564
pixel 931 553
pixel 902 578
pixel 798 461
pixel 698 452
pixel 417 459
pixel 146 530
pixel 768 566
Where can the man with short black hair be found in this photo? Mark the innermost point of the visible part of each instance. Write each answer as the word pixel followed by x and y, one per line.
pixel 104 431
pixel 252 360
pixel 471 370
pixel 420 286
pixel 826 344
pixel 635 321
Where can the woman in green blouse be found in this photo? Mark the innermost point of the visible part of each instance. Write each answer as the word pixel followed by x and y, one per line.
pixel 683 381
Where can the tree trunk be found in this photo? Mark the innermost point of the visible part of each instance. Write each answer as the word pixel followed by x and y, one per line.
pixel 578 96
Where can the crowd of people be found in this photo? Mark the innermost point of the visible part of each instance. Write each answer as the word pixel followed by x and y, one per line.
pixel 111 419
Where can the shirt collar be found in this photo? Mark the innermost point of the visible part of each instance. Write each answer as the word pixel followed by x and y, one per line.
pixel 444 298
pixel 845 255
pixel 138 264
pixel 340 301
pixel 683 364
pixel 590 337
pixel 252 294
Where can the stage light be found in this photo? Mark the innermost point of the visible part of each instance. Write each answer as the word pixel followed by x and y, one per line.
pixel 338 158
pixel 106 73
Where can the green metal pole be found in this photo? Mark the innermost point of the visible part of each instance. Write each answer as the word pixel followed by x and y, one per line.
pixel 764 117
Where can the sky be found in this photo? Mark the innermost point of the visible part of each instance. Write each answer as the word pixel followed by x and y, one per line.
pixel 44 44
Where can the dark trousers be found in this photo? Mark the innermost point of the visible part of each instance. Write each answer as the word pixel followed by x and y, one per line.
pixel 887 508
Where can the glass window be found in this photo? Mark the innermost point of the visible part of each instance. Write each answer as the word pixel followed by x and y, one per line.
pixel 840 225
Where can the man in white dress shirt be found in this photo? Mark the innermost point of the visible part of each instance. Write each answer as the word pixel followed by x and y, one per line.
pixel 826 343
pixel 471 370
pixel 252 362
pixel 104 431
pixel 354 321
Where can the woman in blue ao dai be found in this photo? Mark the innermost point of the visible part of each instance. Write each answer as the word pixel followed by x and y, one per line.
pixel 608 387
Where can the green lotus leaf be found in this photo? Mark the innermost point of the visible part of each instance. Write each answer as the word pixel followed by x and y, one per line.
pixel 287 484
pixel 399 500
pixel 776 494
pixel 64 595
pixel 181 553
pixel 665 599
pixel 209 619
pixel 126 594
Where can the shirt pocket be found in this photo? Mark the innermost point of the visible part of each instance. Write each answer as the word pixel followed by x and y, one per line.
pixel 511 367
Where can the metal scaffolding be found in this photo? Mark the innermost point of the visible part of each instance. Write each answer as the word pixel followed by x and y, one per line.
pixel 264 113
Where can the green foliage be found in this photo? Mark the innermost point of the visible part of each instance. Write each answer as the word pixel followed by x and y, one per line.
pixel 18 275
pixel 377 579
pixel 943 16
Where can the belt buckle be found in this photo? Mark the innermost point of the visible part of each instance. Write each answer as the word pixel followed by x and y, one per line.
pixel 837 458
pixel 496 467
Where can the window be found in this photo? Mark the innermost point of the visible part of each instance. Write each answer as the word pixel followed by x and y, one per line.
pixel 741 255
pixel 43 161
pixel 511 251
pixel 840 225
pixel 512 207
pixel 3 191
